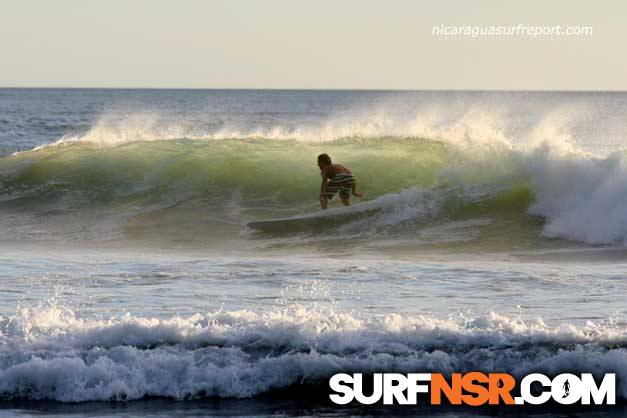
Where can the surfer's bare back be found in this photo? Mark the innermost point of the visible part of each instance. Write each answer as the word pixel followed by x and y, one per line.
pixel 335 178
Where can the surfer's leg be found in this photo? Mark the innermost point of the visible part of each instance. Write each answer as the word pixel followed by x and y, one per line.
pixel 346 197
pixel 354 190
pixel 332 188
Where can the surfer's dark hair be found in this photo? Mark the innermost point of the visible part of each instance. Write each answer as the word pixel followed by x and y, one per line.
pixel 324 158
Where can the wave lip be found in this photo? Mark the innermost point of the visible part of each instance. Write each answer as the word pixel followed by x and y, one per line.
pixel 51 354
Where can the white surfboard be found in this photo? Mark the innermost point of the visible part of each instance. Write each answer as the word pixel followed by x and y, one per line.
pixel 314 222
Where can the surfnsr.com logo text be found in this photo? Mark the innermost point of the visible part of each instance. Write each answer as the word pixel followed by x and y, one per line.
pixel 473 388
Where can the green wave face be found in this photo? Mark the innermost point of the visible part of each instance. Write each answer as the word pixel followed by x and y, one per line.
pixel 273 172
pixel 207 189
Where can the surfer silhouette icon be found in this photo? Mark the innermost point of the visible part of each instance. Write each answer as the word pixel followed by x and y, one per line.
pixel 566 389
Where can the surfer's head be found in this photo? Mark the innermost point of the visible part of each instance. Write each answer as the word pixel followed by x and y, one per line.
pixel 323 160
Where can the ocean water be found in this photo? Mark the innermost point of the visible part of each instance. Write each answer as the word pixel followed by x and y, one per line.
pixel 491 236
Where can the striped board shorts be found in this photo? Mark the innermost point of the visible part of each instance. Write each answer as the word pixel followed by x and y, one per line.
pixel 341 182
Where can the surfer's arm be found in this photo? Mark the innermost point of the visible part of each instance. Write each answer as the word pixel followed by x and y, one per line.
pixel 323 191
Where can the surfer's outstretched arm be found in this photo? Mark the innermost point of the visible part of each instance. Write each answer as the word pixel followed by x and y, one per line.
pixel 324 202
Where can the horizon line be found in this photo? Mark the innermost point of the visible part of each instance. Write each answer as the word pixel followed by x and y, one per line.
pixel 495 90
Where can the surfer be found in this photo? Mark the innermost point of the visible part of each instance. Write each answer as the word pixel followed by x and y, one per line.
pixel 335 178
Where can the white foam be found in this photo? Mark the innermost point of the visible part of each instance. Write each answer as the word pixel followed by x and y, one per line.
pixel 583 198
pixel 51 353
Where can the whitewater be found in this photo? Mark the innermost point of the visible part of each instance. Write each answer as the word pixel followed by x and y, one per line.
pixel 491 237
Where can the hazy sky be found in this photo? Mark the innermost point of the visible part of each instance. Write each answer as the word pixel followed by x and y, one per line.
pixel 308 44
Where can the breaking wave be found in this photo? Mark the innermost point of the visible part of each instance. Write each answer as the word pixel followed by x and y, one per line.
pixel 50 353
pixel 131 172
